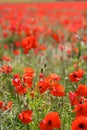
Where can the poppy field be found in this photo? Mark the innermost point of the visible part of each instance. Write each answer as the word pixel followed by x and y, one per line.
pixel 43 66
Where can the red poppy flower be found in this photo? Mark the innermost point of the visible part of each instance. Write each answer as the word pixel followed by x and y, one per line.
pixel 76 76
pixel 54 77
pixel 17 44
pixel 20 90
pixel 7 69
pixel 81 90
pixel 8 106
pixel 6 47
pixel 29 71
pixel 27 80
pixel 28 77
pixel 5 34
pixel 16 52
pixel 6 58
pixel 73 98
pixel 55 37
pixel 50 122
pixel 81 109
pixel 28 43
pixel 80 123
pixel 76 99
pixel 1 70
pixel 43 86
pixel 16 80
pixel 57 90
pixel 26 116
pixel 5 106
pixel 1 104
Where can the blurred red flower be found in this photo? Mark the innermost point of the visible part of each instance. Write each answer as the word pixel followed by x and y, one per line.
pixel 16 80
pixel 81 109
pixel 20 90
pixel 26 116
pixel 28 43
pixel 73 98
pixel 43 86
pixel 5 106
pixel 50 121
pixel 16 52
pixel 55 37
pixel 7 69
pixel 76 76
pixel 81 90
pixel 80 123
pixel 57 90
pixel 54 77
pixel 6 58
pixel 28 76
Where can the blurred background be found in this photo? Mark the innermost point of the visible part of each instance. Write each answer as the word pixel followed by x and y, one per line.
pixel 19 1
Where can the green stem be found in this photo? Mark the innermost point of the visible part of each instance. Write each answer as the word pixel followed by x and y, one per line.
pixel 18 98
pixel 27 127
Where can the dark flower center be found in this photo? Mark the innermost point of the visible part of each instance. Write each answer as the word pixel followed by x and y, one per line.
pixel 49 122
pixel 81 125
pixel 74 75
pixel 40 87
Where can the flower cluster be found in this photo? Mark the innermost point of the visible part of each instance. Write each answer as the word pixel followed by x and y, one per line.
pixel 28 43
pixel 6 69
pixel 79 101
pixel 51 83
pixel 5 106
